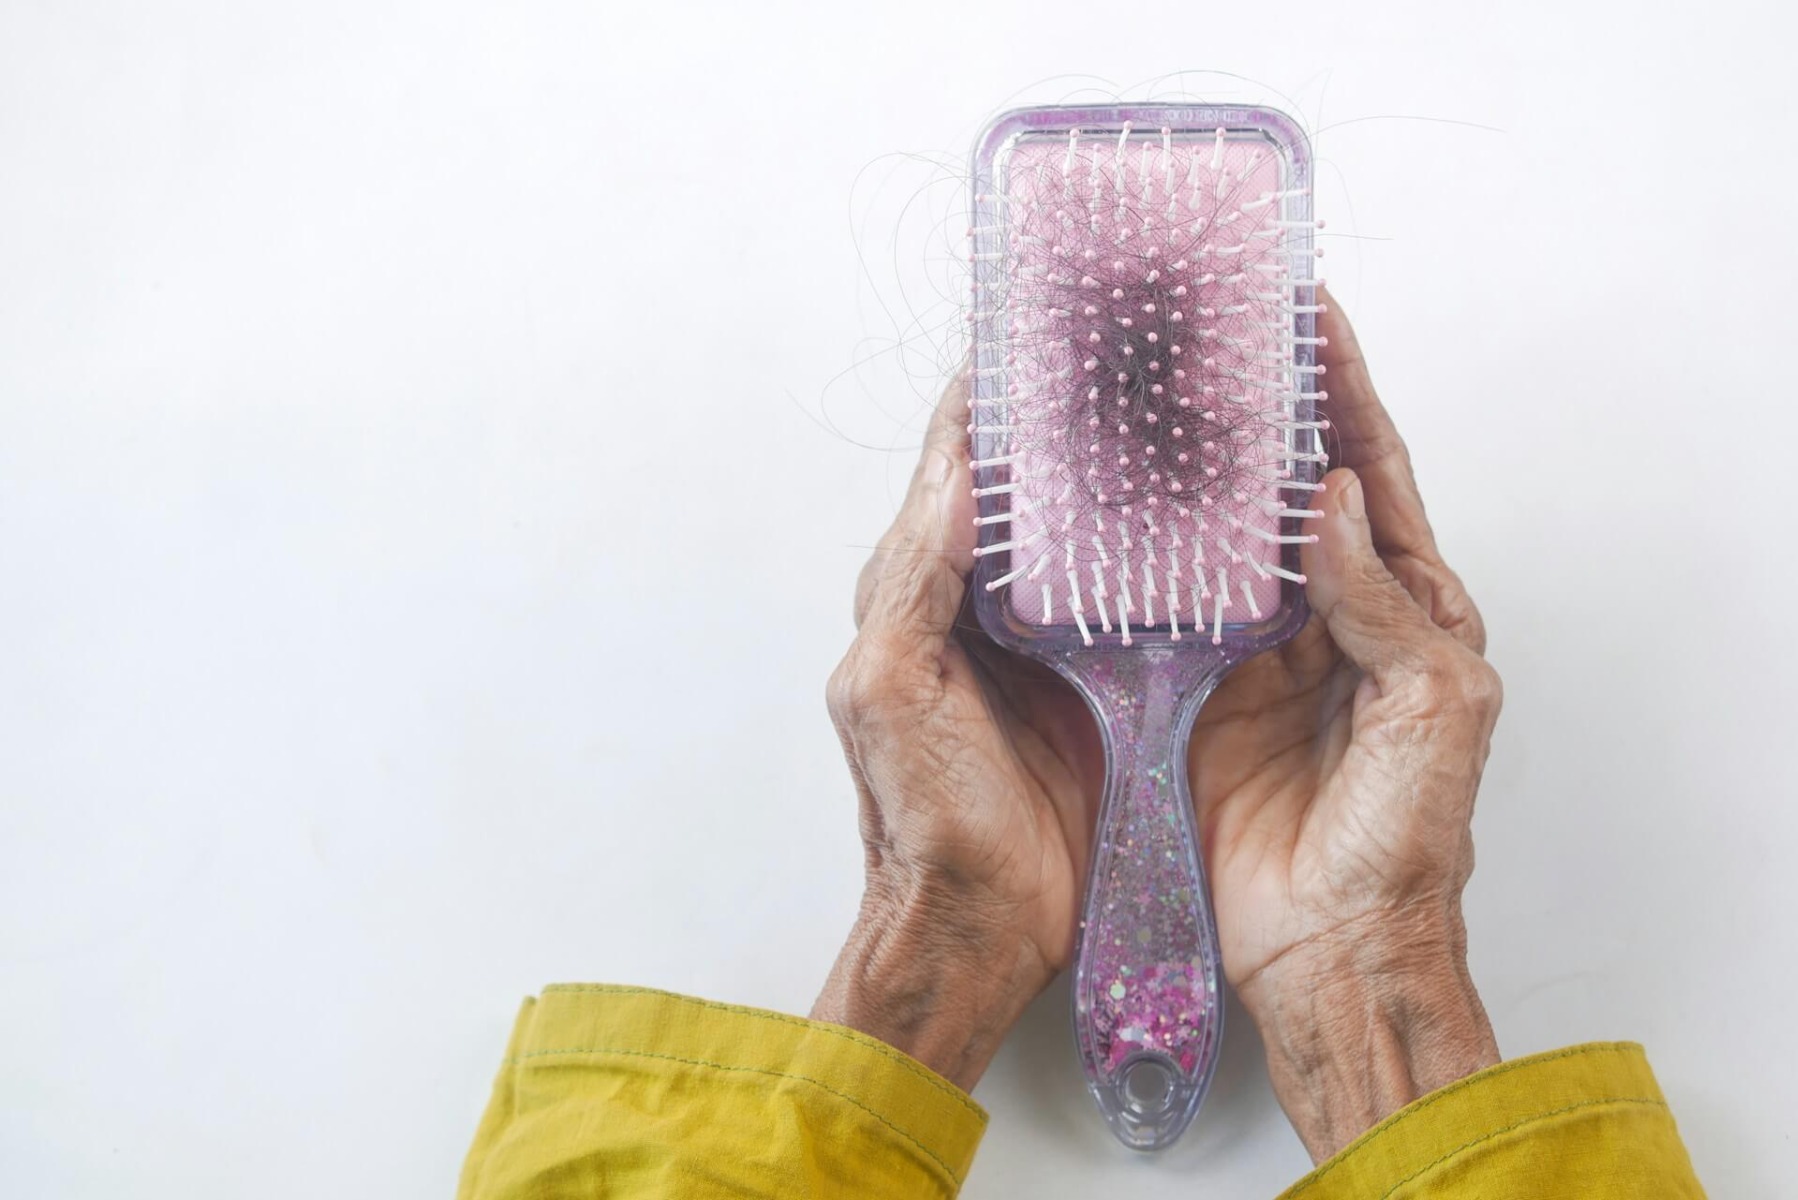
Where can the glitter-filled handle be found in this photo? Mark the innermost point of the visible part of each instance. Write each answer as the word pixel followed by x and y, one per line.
pixel 1148 1009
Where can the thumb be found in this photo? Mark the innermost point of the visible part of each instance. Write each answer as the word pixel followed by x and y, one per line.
pixel 913 583
pixel 1369 613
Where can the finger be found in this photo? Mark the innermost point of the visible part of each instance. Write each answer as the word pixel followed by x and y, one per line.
pixel 914 581
pixel 1369 441
pixel 1369 613
pixel 1371 445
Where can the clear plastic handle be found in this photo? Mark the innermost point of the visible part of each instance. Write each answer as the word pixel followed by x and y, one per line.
pixel 1148 1006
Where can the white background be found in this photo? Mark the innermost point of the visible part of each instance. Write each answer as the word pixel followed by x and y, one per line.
pixel 429 509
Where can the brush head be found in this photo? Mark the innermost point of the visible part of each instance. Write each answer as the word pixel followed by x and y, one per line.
pixel 1143 431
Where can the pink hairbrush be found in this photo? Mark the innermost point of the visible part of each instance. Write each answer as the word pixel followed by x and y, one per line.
pixel 1144 440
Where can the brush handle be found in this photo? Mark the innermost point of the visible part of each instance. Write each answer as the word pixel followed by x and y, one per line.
pixel 1148 1005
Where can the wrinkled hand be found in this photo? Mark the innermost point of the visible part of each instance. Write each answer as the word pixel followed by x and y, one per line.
pixel 975 770
pixel 1335 778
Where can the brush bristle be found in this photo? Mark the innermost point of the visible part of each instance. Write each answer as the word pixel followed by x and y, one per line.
pixel 1142 303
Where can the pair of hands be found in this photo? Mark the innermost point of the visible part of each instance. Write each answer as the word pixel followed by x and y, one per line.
pixel 1334 779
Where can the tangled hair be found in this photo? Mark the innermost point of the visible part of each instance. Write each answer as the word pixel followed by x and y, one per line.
pixel 1146 308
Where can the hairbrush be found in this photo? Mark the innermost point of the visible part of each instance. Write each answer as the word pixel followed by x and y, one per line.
pixel 1144 442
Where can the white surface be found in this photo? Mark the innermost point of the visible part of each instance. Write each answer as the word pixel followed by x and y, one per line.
pixel 419 563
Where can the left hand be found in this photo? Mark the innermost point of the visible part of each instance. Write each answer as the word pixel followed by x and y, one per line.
pixel 974 769
pixel 1335 779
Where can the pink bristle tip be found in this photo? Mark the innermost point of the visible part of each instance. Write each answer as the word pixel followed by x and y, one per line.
pixel 1119 240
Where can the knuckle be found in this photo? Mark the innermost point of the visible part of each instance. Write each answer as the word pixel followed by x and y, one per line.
pixel 1464 681
pixel 1385 605
pixel 862 686
pixel 846 692
pixel 1488 694
pixel 865 582
pixel 1454 610
pixel 1473 629
pixel 894 578
pixel 1369 572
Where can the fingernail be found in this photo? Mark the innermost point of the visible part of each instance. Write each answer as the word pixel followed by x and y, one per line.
pixel 1354 504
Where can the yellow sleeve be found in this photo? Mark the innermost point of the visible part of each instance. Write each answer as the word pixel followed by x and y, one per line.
pixel 610 1093
pixel 619 1092
pixel 1586 1122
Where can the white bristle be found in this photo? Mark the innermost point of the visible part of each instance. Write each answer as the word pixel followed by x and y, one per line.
pixel 1080 616
pixel 1279 539
pixel 1000 582
pixel 1248 595
pixel 1140 290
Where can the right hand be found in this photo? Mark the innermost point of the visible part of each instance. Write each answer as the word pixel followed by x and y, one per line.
pixel 1335 779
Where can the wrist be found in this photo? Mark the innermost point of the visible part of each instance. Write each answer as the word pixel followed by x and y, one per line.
pixel 1361 1022
pixel 933 976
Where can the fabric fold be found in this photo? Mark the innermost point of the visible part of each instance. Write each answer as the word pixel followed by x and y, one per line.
pixel 611 1090
pixel 1588 1121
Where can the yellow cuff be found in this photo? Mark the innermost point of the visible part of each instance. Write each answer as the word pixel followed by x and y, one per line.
pixel 646 1092
pixel 1587 1121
